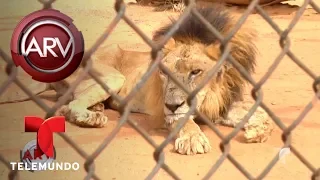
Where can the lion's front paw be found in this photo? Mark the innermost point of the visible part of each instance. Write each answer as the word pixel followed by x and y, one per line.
pixel 99 107
pixel 258 130
pixel 83 117
pixel 91 119
pixel 192 143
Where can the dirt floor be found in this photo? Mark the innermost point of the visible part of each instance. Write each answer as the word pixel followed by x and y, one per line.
pixel 129 156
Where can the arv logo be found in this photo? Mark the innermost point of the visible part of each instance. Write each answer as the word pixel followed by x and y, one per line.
pixel 47 45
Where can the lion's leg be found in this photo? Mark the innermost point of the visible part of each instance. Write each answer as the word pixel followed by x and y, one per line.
pixel 136 104
pixel 87 110
pixel 61 88
pixel 259 126
pixel 190 139
pixel 81 116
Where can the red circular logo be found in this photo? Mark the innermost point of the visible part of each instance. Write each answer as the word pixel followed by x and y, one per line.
pixel 47 45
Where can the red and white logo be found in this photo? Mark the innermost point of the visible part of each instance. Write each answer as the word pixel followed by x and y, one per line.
pixel 47 45
pixel 40 154
pixel 34 159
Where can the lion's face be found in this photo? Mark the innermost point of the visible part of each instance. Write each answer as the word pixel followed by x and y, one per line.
pixel 189 64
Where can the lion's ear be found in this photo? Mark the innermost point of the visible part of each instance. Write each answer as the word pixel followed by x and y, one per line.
pixel 213 51
pixel 169 46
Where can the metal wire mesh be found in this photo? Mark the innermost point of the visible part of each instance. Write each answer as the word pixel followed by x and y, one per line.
pixel 124 109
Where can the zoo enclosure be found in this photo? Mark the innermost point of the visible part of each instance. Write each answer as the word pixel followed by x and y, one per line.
pixel 159 156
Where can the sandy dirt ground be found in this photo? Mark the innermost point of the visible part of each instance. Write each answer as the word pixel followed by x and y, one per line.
pixel 129 156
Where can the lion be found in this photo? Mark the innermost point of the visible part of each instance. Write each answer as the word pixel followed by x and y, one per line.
pixel 190 54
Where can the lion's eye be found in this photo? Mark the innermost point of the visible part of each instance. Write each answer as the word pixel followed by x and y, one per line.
pixel 195 72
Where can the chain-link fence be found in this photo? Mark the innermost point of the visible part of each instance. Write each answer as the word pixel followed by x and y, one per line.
pixel 124 109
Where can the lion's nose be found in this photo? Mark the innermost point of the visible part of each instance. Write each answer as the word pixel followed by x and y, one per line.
pixel 174 106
